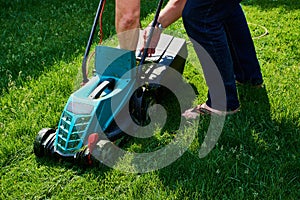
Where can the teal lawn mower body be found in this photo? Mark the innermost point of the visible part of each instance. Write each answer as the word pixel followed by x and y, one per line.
pixel 94 100
pixel 94 107
pixel 88 110
pixel 107 95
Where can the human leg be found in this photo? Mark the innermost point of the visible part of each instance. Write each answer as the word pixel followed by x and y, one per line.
pixel 245 62
pixel 203 23
pixel 127 23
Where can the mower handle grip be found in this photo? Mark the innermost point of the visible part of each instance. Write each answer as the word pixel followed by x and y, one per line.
pixel 108 83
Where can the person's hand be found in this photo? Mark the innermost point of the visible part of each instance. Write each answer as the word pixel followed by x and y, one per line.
pixel 154 40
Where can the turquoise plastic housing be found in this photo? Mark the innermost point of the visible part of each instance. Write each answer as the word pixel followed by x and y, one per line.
pixel 84 115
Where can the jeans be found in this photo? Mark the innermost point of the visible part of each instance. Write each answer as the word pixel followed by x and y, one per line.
pixel 245 63
pixel 222 41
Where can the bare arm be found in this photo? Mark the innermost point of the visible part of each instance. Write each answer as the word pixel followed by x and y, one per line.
pixel 169 14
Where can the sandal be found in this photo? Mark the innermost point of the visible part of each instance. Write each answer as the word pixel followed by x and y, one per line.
pixel 192 113
pixel 204 109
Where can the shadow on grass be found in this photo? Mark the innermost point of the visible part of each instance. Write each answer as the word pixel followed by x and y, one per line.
pixel 269 4
pixel 37 34
pixel 255 155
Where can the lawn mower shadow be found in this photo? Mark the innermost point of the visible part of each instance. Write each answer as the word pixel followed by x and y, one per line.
pixel 98 170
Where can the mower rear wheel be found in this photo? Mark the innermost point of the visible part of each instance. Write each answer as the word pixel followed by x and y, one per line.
pixel 38 146
pixel 142 99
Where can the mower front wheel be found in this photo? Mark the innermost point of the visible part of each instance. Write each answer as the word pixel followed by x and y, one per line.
pixel 38 145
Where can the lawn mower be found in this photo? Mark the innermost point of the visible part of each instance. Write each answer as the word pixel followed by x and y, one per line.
pixel 90 110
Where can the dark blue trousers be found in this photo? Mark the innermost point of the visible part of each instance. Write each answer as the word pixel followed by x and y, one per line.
pixel 222 41
pixel 245 63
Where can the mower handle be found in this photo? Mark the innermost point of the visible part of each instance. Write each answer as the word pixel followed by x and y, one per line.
pixel 88 46
pixel 154 22
pixel 108 83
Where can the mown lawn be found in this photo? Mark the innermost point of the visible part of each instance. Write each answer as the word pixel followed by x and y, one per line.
pixel 256 157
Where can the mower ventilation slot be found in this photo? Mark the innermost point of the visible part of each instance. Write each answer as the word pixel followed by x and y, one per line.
pixel 70 132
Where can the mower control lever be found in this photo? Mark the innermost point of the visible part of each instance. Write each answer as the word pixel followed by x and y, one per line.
pixel 108 83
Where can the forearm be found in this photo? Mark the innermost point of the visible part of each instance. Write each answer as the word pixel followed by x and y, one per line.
pixel 171 12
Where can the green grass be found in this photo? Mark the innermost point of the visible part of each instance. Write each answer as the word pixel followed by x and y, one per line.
pixel 256 157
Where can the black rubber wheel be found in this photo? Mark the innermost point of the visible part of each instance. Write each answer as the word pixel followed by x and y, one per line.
pixel 84 157
pixel 141 100
pixel 38 147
